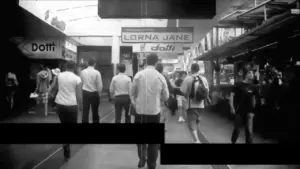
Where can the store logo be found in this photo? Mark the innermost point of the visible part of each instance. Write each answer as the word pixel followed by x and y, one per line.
pixel 43 47
pixel 163 48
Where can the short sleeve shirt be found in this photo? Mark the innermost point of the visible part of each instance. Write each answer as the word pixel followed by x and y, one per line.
pixel 244 97
pixel 67 82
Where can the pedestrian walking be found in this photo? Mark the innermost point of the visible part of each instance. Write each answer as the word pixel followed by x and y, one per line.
pixel 55 73
pixel 242 104
pixel 180 98
pixel 42 87
pixel 68 98
pixel 12 83
pixel 164 112
pixel 120 89
pixel 195 89
pixel 148 90
pixel 92 88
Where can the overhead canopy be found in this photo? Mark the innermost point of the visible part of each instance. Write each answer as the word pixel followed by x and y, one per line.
pixel 271 30
pixel 80 18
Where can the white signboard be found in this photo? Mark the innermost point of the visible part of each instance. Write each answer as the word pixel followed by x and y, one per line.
pixel 70 46
pixel 157 35
pixel 158 48
pixel 42 48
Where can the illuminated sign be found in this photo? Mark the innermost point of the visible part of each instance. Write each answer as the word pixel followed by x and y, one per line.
pixel 157 35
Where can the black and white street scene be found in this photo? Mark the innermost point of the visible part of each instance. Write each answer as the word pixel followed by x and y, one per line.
pixel 222 73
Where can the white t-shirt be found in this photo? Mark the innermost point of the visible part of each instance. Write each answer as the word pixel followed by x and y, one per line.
pixel 67 82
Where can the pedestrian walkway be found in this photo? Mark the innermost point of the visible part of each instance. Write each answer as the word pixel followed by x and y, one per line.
pixel 214 129
pixel 177 132
pixel 113 157
pixel 106 111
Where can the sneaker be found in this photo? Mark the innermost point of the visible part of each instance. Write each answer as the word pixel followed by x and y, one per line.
pixel 197 142
pixel 181 119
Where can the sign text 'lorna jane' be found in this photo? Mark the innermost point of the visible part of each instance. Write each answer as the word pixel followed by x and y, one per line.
pixel 157 48
pixel 157 35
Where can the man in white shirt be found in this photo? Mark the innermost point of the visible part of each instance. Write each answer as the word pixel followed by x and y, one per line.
pixel 195 107
pixel 92 87
pixel 148 90
pixel 120 88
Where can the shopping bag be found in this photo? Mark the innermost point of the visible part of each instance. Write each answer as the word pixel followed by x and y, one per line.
pixel 132 111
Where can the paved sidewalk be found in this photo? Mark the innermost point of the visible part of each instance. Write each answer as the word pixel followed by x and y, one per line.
pixel 214 128
pixel 106 112
pixel 113 157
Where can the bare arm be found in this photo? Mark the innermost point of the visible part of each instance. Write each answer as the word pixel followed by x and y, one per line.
pixel 54 84
pixel 185 88
pixel 134 91
pixel 37 83
pixel 231 100
pixel 79 94
pixel 16 80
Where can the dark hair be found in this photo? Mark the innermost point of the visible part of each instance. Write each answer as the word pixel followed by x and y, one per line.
pixel 121 67
pixel 70 65
pixel 159 67
pixel 195 68
pixel 91 62
pixel 152 59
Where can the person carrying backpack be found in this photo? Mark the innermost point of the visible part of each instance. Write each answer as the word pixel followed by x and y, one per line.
pixel 42 86
pixel 195 89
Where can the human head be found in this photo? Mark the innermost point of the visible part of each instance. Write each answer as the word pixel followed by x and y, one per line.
pixel 92 62
pixel 42 67
pixel 71 66
pixel 121 68
pixel 195 68
pixel 152 59
pixel 159 67
pixel 249 75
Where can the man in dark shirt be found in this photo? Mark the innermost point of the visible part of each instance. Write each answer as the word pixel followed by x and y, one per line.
pixel 242 104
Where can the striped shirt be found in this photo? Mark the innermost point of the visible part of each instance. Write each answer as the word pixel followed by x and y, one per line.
pixel 148 90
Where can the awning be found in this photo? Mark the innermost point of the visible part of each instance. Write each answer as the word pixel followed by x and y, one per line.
pixel 271 30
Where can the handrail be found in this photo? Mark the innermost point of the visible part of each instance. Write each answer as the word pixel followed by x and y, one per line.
pixel 256 7
pixel 231 14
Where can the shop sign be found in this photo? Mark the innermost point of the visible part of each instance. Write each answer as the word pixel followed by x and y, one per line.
pixel 157 35
pixel 41 48
pixel 70 46
pixel 158 48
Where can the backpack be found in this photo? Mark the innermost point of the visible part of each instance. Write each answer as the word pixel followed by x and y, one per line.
pixel 201 92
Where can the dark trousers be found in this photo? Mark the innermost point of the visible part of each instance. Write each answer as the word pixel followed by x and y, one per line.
pixel 122 101
pixel 148 152
pixel 67 115
pixel 243 119
pixel 90 99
